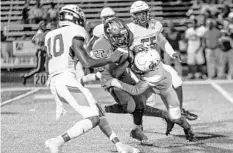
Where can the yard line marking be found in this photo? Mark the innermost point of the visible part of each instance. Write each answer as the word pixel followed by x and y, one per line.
pixel 17 89
pixel 222 91
pixel 206 81
pixel 20 96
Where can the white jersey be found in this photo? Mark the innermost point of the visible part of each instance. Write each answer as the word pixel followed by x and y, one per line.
pixel 146 36
pixel 58 43
pixel 194 38
pixel 98 30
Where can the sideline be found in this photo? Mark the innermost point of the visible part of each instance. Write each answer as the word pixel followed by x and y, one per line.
pixel 20 96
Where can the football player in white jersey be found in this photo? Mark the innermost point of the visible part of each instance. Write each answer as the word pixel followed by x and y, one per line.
pixel 147 31
pixel 154 76
pixel 63 44
pixel 98 31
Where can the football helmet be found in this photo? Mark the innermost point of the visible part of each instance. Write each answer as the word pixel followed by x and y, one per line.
pixel 140 13
pixel 146 61
pixel 106 13
pixel 117 32
pixel 70 15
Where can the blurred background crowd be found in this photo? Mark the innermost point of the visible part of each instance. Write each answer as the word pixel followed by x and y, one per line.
pixel 203 34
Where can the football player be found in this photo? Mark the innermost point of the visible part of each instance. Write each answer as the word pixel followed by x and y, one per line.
pixel 117 37
pixel 148 31
pixel 63 44
pixel 98 31
pixel 153 75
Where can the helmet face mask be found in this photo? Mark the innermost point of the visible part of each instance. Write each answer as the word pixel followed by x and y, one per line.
pixel 116 31
pixel 70 15
pixel 140 13
pixel 142 18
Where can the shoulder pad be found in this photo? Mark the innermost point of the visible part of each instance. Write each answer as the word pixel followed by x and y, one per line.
pixel 156 25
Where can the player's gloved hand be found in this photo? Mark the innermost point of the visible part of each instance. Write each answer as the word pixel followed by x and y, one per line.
pixel 106 84
pixel 139 48
pixel 176 56
pixel 98 75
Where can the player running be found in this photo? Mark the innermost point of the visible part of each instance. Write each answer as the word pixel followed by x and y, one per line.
pixel 62 45
pixel 153 75
pixel 148 31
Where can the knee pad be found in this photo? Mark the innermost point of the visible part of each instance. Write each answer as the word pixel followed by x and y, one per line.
pixel 95 120
pixel 174 112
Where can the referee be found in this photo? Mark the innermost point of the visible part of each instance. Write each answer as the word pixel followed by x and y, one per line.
pixel 38 39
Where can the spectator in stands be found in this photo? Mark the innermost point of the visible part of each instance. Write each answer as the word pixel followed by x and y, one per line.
pixel 173 36
pixel 25 13
pixel 212 49
pixel 195 56
pixel 226 55
pixel 52 12
pixel 3 37
pixel 38 39
pixel 36 13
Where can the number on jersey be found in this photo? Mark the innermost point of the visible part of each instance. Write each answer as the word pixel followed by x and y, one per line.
pixel 58 46
pixel 100 53
pixel 149 42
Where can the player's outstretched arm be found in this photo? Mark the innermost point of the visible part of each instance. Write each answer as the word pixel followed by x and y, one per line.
pixel 82 55
pixel 166 46
pixel 137 89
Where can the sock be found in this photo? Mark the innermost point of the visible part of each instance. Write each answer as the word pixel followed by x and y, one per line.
pixel 81 127
pixel 182 122
pixel 179 92
pixel 115 108
pixel 137 116
pixel 107 130
pixel 151 111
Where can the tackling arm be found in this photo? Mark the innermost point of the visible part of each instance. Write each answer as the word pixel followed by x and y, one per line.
pixel 165 45
pixel 137 89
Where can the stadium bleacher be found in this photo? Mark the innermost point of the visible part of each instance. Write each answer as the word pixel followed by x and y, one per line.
pixel 11 12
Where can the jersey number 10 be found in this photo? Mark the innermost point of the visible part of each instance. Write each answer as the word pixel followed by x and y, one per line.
pixel 58 46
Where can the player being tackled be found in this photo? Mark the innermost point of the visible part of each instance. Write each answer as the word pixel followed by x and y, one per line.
pixel 152 75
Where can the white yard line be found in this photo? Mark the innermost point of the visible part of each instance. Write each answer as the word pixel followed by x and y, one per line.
pixel 20 96
pixel 222 91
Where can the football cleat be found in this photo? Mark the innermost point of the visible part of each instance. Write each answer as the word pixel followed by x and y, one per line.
pixel 115 108
pixel 123 148
pixel 170 126
pixel 188 115
pixel 138 134
pixel 53 145
pixel 189 135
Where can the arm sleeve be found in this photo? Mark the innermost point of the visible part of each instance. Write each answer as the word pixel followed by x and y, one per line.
pixel 139 88
pixel 165 45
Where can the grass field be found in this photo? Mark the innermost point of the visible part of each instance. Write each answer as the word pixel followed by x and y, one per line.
pixel 28 121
